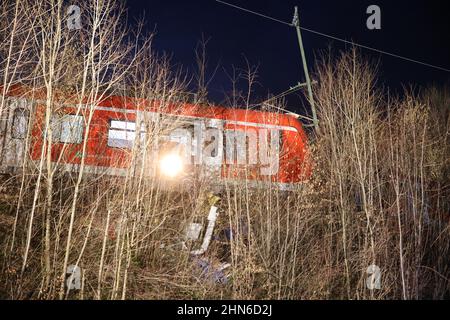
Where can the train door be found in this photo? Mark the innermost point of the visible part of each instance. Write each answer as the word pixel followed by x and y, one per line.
pixel 14 125
pixel 175 156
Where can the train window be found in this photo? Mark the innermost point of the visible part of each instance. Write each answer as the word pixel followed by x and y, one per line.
pixel 121 134
pixel 20 123
pixel 68 129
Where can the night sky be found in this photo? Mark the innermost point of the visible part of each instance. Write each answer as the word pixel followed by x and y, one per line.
pixel 417 29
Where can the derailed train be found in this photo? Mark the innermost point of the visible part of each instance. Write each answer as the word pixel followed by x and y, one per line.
pixel 173 142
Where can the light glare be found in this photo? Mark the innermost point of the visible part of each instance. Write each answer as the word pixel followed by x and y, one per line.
pixel 171 165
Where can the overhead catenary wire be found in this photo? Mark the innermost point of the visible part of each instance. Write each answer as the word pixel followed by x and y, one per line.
pixel 285 93
pixel 253 12
pixel 337 38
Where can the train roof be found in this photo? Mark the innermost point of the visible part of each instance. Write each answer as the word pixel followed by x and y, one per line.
pixel 173 107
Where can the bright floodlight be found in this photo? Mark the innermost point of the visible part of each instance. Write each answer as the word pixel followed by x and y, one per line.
pixel 171 165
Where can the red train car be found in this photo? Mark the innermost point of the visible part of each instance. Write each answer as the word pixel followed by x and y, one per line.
pixel 174 142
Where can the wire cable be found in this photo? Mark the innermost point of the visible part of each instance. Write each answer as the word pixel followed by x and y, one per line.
pixel 256 13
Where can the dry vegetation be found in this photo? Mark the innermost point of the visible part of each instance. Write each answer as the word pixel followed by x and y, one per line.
pixel 379 193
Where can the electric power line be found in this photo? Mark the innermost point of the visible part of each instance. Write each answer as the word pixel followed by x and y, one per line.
pixel 258 14
pixel 283 94
pixel 336 38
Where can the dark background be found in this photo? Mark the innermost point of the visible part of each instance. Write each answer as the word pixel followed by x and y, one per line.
pixel 417 29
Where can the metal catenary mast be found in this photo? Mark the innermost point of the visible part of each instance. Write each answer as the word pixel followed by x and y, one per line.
pixel 296 24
